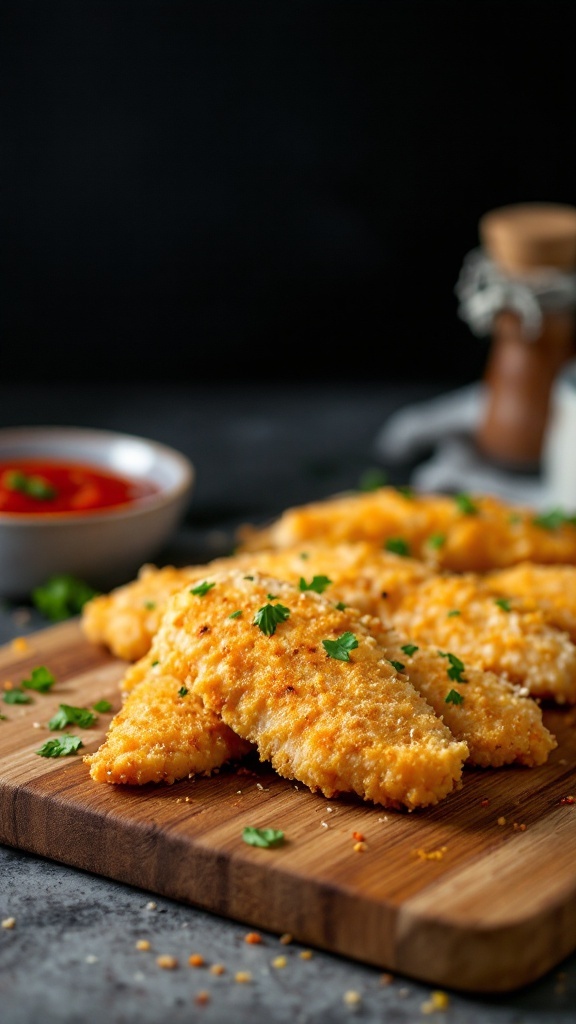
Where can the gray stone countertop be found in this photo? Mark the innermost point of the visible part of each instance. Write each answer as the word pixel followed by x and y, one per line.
pixel 71 956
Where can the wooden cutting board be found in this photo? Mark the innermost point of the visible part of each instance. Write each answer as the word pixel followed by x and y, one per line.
pixel 454 896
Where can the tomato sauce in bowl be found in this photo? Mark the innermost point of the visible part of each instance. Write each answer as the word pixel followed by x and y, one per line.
pixel 41 486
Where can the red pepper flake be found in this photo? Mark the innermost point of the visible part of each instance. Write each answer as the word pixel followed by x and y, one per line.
pixel 358 837
pixel 253 938
pixel 202 998
pixel 485 802
pixel 568 800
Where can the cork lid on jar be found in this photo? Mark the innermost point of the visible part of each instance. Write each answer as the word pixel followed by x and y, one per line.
pixel 528 235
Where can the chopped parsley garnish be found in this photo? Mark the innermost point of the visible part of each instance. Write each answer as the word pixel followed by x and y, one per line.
pixel 182 691
pixel 32 486
pixel 453 612
pixel 372 480
pixel 3 718
pixel 41 680
pixel 465 504
pixel 318 584
pixel 398 546
pixel 453 697
pixel 202 588
pixel 270 616
pixel 264 837
pixel 456 667
pixel 341 606
pixel 16 696
pixel 406 491
pixel 504 603
pixel 61 597
pixel 340 648
pixel 553 519
pixel 436 540
pixel 236 614
pixel 149 605
pixel 102 706
pixel 409 649
pixel 69 715
pixel 60 747
pixel 398 665
pixel 248 577
pixel 304 556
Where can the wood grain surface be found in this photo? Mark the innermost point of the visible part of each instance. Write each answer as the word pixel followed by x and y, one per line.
pixel 477 894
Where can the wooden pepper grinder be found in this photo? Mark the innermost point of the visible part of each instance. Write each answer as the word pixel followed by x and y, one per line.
pixel 525 290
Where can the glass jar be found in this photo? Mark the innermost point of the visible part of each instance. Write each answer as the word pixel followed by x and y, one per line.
pixel 519 288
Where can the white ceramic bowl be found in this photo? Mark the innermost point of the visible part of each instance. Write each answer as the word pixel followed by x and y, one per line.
pixel 103 547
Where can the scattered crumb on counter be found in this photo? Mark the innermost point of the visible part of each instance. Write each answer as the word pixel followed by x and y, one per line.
pixel 196 960
pixel 9 922
pixel 352 998
pixel 167 963
pixel 437 1001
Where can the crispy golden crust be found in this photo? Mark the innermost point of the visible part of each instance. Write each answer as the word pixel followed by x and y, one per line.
pixel 500 725
pixel 160 735
pixel 549 588
pixel 337 726
pixel 404 592
pixel 126 619
pixel 477 535
pixel 458 614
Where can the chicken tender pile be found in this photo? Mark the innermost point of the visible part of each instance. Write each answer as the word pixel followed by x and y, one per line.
pixel 308 684
pixel 458 612
pixel 462 533
pixel 372 643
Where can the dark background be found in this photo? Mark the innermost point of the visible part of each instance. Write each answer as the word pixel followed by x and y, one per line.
pixel 225 189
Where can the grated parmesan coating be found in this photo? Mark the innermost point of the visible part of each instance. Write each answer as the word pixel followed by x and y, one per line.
pixel 161 736
pixel 336 726
pixel 499 725
pixel 550 588
pixel 518 644
pixel 483 534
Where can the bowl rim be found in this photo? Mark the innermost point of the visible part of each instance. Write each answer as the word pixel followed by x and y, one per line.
pixel 164 496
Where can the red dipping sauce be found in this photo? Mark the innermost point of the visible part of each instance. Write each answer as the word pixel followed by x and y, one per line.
pixel 41 486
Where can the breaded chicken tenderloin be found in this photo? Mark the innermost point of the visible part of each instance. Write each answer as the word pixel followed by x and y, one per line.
pixel 162 734
pixel 126 619
pixel 458 613
pixel 455 611
pixel 500 724
pixel 550 588
pixel 310 686
pixel 461 532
